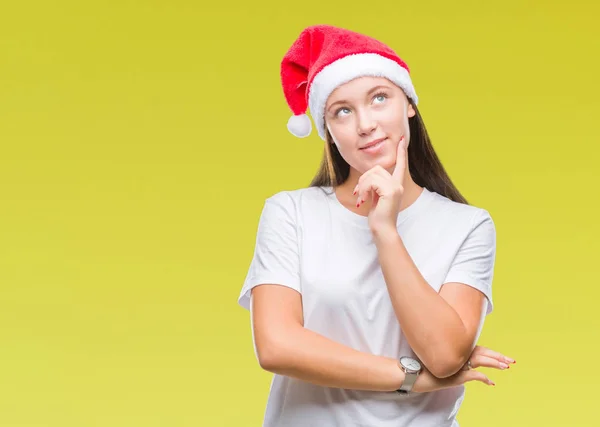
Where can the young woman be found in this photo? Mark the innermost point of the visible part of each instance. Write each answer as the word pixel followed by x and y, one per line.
pixel 369 288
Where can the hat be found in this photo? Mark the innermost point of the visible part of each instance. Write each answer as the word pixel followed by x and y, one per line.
pixel 325 57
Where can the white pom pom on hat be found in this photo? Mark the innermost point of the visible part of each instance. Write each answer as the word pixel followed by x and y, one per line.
pixel 324 57
pixel 299 126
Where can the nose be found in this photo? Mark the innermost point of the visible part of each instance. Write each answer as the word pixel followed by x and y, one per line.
pixel 365 123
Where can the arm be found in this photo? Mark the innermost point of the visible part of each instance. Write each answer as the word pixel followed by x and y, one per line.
pixel 441 328
pixel 283 346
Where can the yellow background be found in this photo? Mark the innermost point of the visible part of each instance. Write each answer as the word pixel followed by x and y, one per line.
pixel 139 139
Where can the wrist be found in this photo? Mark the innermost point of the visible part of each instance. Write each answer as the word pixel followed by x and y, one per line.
pixel 397 375
pixel 425 382
pixel 385 234
pixel 417 388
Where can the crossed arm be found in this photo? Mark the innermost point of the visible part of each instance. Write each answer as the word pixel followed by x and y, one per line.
pixel 441 327
pixel 283 346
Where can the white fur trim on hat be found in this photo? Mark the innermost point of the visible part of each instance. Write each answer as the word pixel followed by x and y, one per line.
pixel 348 68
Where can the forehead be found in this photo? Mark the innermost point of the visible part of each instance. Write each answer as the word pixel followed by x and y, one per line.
pixel 357 88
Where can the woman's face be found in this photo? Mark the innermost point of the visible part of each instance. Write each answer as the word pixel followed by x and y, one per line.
pixel 364 111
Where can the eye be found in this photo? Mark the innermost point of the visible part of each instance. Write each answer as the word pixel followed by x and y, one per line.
pixel 380 97
pixel 342 110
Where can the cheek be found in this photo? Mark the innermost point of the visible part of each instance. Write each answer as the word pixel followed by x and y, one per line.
pixel 345 143
pixel 345 149
pixel 351 155
pixel 342 137
pixel 392 121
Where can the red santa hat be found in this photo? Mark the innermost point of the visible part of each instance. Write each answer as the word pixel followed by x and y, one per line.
pixel 325 57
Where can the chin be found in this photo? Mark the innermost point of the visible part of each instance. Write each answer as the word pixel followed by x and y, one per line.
pixel 366 167
pixel 385 162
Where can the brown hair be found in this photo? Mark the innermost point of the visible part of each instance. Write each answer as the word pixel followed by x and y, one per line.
pixel 425 167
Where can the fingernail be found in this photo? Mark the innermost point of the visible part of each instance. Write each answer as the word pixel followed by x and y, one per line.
pixel 503 366
pixel 509 360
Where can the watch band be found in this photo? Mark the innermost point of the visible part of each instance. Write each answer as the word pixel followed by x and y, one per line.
pixel 409 382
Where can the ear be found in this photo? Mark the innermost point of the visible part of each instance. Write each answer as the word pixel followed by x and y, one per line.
pixel 411 111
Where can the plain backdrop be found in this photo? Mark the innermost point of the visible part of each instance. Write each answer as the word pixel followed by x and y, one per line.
pixel 139 139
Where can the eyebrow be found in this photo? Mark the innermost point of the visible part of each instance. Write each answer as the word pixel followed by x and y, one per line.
pixel 373 89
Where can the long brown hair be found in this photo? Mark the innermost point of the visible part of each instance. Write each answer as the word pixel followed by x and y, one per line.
pixel 425 167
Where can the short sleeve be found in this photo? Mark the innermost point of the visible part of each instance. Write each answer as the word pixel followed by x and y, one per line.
pixel 474 262
pixel 276 254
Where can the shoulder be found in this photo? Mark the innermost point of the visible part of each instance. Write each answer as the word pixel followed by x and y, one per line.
pixel 295 199
pixel 459 214
pixel 293 207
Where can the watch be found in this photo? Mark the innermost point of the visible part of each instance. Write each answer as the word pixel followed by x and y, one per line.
pixel 412 368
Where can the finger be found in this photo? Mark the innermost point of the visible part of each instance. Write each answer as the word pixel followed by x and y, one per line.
pixel 375 170
pixel 370 185
pixel 491 353
pixel 361 179
pixel 398 173
pixel 474 375
pixel 479 360
pixel 361 188
pixel 373 186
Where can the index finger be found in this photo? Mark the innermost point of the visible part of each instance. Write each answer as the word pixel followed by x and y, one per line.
pixel 484 351
pixel 400 159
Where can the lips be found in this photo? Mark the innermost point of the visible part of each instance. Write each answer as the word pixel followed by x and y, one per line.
pixel 372 143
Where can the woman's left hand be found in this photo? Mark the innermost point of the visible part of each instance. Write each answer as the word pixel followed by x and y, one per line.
pixel 385 191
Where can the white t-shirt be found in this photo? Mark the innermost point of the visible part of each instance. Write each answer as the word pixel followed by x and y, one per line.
pixel 308 241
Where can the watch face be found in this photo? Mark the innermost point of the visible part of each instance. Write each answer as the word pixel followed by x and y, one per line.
pixel 410 364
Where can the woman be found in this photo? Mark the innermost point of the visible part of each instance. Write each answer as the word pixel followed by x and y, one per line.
pixel 368 289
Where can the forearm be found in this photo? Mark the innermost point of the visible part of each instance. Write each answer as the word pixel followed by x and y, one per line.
pixel 305 355
pixel 432 327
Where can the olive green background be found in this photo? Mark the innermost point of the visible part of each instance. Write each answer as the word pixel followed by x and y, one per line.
pixel 139 139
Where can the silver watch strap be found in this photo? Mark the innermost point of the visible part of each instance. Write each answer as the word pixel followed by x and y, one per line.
pixel 409 382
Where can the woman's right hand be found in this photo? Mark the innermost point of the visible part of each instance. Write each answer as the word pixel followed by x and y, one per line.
pixel 480 357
